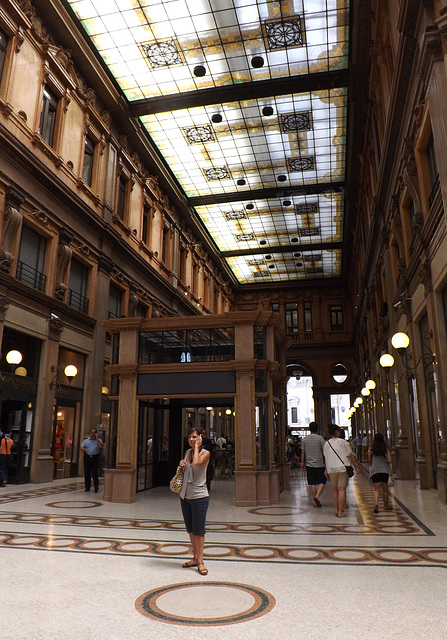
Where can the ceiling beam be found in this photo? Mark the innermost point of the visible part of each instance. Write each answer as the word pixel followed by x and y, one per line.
pixel 317 246
pixel 265 194
pixel 243 91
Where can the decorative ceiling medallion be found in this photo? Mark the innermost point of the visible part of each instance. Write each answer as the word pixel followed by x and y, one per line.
pixel 315 270
pixel 296 121
pixel 311 231
pixel 243 237
pixel 235 215
pixel 260 274
pixel 199 134
pixel 312 258
pixel 305 163
pixel 254 263
pixel 308 207
pixel 217 173
pixel 285 33
pixel 162 54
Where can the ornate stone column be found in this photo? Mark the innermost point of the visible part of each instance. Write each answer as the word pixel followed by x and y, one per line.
pixel 12 220
pixel 42 460
pixel 120 483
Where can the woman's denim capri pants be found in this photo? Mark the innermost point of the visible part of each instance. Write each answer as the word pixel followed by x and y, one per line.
pixel 194 514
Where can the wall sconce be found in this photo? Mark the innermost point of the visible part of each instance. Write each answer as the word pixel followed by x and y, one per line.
pixel 228 412
pixel 70 372
pixel 104 391
pixel 13 358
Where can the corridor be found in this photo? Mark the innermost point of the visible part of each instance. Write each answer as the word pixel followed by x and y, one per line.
pixel 79 568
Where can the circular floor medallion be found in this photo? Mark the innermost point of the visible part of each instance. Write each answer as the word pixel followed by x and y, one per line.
pixel 240 603
pixel 74 504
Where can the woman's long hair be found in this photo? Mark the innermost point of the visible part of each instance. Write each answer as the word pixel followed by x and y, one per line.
pixel 379 446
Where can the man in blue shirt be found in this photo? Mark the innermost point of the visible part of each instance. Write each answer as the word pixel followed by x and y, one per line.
pixel 92 448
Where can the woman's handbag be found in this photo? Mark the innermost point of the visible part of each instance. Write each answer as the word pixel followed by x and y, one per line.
pixel 349 470
pixel 177 481
pixel 390 478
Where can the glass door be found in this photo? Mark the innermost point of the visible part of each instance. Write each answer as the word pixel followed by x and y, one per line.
pixel 66 442
pixel 17 420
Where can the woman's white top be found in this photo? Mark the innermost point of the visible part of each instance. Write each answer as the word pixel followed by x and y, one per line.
pixel 194 479
pixel 333 462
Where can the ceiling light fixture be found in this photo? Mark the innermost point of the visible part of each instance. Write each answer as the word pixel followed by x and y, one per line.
pixel 257 62
pixel 199 71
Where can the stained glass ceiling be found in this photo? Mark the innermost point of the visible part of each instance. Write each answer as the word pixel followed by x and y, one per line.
pixel 247 103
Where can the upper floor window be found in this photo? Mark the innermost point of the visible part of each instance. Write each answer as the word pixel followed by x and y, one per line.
pixel 31 261
pixel 275 307
pixel 141 311
pixel 89 153
pixel 411 219
pixel 48 116
pixel 121 198
pixel 77 287
pixel 291 317
pixel 115 302
pixel 433 172
pixel 308 315
pixel 336 312
pixel 145 226
pixel 3 45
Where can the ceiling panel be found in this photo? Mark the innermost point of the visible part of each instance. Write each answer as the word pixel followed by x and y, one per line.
pixel 252 143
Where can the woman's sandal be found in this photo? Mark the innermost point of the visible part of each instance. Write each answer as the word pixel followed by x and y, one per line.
pixel 190 563
pixel 202 569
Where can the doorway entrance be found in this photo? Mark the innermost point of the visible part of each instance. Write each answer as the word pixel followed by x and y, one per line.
pixel 163 427
pixel 66 438
pixel 17 419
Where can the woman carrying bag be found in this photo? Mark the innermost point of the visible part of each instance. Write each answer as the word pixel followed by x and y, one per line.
pixel 194 497
pixel 338 455
pixel 379 459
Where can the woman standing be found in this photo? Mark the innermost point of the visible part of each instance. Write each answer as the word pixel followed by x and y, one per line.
pixel 338 454
pixel 379 459
pixel 194 497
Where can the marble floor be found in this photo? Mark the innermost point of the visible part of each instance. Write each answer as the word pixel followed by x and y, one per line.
pixel 75 567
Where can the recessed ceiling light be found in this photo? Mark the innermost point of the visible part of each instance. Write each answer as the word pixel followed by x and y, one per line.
pixel 299 264
pixel 250 206
pixel 216 117
pixel 271 266
pixel 267 111
pixel 294 240
pixel 286 203
pixel 263 242
pixel 199 71
pixel 281 178
pixel 268 257
pixel 257 62
pixel 241 182
pixel 297 255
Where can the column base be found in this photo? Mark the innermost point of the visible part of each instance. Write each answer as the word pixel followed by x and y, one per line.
pixel 42 469
pixel 256 488
pixel 119 485
pixel 442 481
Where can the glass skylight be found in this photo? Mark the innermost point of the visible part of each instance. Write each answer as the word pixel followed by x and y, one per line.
pixel 258 146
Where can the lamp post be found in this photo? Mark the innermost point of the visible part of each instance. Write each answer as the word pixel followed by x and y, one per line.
pixel 401 342
pixel 386 362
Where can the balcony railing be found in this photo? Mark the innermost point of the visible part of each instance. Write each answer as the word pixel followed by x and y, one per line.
pixel 75 300
pixel 30 276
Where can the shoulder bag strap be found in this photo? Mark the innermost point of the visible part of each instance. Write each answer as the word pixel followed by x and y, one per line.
pixel 329 443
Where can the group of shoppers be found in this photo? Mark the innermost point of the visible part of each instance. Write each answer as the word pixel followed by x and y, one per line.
pixel 333 457
pixel 320 458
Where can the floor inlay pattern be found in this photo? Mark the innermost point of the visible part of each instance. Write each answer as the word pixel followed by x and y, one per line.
pixel 241 603
pixel 38 493
pixel 272 553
